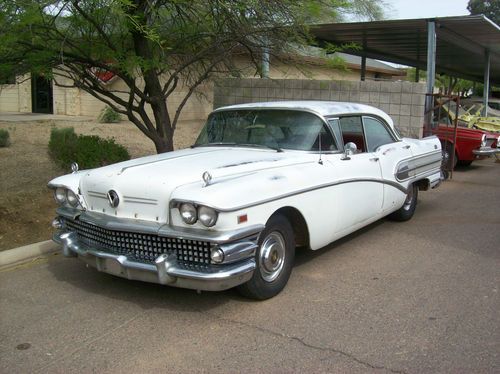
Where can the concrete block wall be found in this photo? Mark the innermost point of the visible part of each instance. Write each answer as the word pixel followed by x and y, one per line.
pixel 403 101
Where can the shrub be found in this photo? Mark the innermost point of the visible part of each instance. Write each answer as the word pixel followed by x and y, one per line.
pixel 4 138
pixel 89 151
pixel 108 115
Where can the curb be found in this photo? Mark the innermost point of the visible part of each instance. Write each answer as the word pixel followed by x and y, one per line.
pixel 19 255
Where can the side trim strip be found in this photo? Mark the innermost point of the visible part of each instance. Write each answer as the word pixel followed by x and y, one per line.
pixel 299 192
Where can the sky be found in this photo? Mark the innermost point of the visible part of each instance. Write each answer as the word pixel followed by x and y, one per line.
pixel 404 9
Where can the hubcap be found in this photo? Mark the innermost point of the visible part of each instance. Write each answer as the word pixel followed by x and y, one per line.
pixel 272 256
pixel 409 199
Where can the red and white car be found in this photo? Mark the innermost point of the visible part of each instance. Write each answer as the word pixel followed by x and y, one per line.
pixel 470 145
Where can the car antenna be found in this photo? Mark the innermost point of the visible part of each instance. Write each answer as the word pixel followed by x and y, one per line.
pixel 320 161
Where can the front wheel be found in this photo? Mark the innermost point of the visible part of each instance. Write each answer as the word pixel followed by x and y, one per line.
pixel 408 209
pixel 274 260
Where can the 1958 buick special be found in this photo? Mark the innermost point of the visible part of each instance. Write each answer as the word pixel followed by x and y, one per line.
pixel 261 180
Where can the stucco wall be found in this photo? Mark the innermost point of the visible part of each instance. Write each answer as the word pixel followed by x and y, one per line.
pixel 9 98
pixel 403 101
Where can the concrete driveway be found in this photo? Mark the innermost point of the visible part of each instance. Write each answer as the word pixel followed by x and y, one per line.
pixel 421 296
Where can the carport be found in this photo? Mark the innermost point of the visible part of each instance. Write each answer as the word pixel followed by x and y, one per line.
pixel 466 47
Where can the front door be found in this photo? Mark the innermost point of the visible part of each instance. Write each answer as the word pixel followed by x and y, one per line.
pixel 41 95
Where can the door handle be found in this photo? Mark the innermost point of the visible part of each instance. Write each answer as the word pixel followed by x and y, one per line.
pixel 374 159
pixel 406 147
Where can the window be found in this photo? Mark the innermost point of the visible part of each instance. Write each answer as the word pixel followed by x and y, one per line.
pixel 352 131
pixel 287 129
pixel 377 134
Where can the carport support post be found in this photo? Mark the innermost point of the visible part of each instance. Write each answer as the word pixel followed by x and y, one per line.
pixel 486 89
pixel 431 71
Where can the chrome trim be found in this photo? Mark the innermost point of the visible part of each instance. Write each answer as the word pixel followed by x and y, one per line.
pixel 166 270
pixel 299 192
pixel 234 252
pixel 68 212
pixel 486 151
pixel 98 195
pixel 150 227
pixel 217 237
pixel 408 168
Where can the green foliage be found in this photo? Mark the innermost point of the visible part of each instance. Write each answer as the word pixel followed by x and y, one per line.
pixel 155 47
pixel 445 83
pixel 89 151
pixel 109 115
pixel 4 138
pixel 490 8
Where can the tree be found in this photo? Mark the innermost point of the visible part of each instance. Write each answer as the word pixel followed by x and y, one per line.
pixel 446 84
pixel 490 8
pixel 153 46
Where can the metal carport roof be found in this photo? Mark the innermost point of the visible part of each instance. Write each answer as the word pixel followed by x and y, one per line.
pixel 461 43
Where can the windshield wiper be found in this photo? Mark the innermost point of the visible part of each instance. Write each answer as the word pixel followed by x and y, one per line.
pixel 277 149
pixel 214 144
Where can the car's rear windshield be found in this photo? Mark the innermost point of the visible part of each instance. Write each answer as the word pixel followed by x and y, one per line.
pixel 279 129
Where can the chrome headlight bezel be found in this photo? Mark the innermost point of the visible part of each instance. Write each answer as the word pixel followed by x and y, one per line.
pixel 60 195
pixel 207 216
pixel 188 213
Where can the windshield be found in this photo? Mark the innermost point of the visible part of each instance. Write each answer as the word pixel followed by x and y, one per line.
pixel 277 129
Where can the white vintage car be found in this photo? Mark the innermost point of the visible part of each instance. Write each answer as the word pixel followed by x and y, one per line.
pixel 261 180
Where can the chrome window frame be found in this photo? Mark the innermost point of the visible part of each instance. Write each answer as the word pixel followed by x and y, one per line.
pixel 385 125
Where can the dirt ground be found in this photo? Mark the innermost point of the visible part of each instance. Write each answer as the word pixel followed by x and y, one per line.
pixel 26 205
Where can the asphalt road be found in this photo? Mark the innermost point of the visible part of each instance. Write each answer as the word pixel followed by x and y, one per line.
pixel 420 296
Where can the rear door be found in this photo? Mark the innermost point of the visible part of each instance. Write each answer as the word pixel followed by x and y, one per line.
pixel 388 152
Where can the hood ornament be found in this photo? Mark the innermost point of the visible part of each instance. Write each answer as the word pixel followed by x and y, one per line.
pixel 113 198
pixel 207 178
pixel 74 167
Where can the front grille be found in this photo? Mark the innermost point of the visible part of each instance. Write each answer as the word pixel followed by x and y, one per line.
pixel 489 142
pixel 140 247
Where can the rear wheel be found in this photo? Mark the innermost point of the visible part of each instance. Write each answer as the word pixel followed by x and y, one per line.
pixel 408 209
pixel 274 260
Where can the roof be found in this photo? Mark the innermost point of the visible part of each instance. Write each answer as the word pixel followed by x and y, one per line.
pixel 371 64
pixel 323 108
pixel 460 50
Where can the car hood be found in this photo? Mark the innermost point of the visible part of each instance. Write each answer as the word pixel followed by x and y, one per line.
pixel 144 186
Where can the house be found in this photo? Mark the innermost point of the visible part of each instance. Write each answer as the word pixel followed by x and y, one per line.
pixel 38 95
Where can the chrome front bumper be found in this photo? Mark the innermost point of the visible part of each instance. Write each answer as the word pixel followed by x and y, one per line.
pixel 166 269
pixel 486 151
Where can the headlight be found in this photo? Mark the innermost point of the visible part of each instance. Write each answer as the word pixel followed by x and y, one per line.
pixel 188 213
pixel 72 199
pixel 60 195
pixel 207 216
pixel 483 140
pixel 498 142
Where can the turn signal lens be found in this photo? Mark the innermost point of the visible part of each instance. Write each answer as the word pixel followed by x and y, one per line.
pixel 188 213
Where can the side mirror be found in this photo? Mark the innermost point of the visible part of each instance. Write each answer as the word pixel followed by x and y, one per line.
pixel 349 149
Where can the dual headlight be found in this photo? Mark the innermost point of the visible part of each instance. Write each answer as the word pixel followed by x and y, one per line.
pixel 64 195
pixel 190 214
